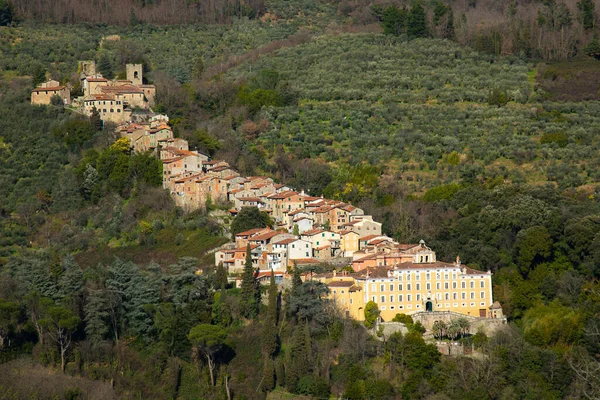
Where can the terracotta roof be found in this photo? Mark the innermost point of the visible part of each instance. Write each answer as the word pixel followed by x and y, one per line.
pixel 187 178
pixel 496 305
pixel 96 97
pixel 287 241
pixel 297 212
pixel 265 236
pixel 341 283
pixel 48 89
pixel 313 232
pixel 405 246
pixel 311 198
pixel 368 237
pixel 300 219
pixel 221 168
pixel 346 232
pixel 327 246
pixel 284 195
pixel 250 232
pixel 96 79
pixel 322 209
pixel 170 160
pixel 263 274
pixel 122 89
pixel 250 199
pixel 375 272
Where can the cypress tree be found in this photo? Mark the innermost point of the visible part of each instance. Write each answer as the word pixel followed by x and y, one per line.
pixel 273 309
pixel 296 280
pixel 249 287
pixel 298 364
pixel 268 382
pixel 308 344
pixel 220 277
pixel 417 21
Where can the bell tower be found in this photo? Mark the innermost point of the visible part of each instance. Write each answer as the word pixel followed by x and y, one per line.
pixel 134 73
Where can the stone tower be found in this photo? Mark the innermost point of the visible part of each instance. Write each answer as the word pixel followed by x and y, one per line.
pixel 86 68
pixel 134 73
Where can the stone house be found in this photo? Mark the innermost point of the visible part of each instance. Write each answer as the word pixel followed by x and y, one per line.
pixel 44 92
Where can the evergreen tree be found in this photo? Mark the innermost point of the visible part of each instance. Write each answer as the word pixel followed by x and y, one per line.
pixel 417 21
pixel 587 13
pixel 220 277
pixel 96 317
pixel 269 339
pixel 249 292
pixel 268 381
pixel 96 121
pixel 273 308
pixel 308 344
pixel 105 66
pixel 7 12
pixel 448 32
pixel 298 363
pixel 70 283
pixel 132 295
pixel 296 280
pixel 250 218
pixel 393 20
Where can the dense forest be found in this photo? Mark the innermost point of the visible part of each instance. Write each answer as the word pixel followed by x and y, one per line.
pixel 450 123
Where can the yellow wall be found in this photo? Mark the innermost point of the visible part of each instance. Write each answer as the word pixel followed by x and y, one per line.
pixel 398 294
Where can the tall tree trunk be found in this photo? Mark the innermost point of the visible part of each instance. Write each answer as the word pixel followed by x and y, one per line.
pixel 227 387
pixel 62 358
pixel 211 367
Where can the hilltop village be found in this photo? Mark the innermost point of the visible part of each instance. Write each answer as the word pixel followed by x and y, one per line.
pixel 308 230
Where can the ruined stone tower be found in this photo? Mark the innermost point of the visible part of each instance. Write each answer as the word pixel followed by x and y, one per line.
pixel 134 73
pixel 86 68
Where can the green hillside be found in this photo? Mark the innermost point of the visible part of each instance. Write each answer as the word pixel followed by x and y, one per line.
pixel 429 109
pixel 464 144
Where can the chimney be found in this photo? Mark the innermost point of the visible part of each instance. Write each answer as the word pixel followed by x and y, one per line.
pixel 334 273
pixel 457 260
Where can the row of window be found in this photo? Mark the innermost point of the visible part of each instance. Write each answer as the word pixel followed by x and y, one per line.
pixel 400 298
pixel 447 305
pixel 417 275
pixel 438 285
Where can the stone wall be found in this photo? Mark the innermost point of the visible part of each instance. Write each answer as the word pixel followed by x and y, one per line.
pixel 488 325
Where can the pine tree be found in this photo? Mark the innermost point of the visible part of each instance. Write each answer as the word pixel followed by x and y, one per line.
pixel 273 308
pixel 249 287
pixel 417 21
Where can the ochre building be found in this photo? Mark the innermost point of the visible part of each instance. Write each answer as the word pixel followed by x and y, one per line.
pixel 411 287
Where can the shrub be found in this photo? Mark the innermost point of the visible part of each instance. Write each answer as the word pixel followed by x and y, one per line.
pixel 559 138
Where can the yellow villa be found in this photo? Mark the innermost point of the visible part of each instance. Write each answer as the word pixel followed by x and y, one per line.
pixel 413 287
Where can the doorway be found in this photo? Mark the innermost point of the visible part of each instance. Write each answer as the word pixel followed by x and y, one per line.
pixel 428 306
